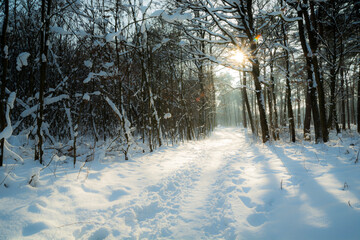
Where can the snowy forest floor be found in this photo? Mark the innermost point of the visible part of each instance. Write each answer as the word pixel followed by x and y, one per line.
pixel 227 186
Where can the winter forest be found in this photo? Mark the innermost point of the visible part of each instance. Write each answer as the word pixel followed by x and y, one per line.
pixel 179 119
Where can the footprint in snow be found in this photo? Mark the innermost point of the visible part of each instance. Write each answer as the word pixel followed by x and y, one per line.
pixel 34 228
pixel 246 189
pixel 247 201
pixel 62 189
pixel 88 190
pixel 238 181
pixel 154 188
pixel 115 195
pixel 34 208
pixel 230 189
pixel 99 234
pixel 256 219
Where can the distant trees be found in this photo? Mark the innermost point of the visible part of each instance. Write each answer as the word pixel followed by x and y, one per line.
pixel 257 27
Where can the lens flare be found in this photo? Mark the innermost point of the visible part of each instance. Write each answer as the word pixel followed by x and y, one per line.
pixel 256 39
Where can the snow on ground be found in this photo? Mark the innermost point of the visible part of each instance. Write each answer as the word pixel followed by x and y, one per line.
pixel 225 187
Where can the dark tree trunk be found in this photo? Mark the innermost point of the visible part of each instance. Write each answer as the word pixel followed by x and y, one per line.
pixel 202 99
pixel 290 110
pixel 311 101
pixel 288 88
pixel 244 108
pixel 3 76
pixel 307 118
pixel 44 38
pixel 276 118
pixel 298 108
pixel 358 100
pixel 272 107
pixel 272 131
pixel 246 101
pixel 260 99
pixel 247 18
pixel 284 117
pixel 343 114
pixel 315 112
pixel 332 120
pixel 347 103
pixel 311 25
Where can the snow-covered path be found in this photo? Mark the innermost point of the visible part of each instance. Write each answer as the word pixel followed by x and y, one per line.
pixel 223 187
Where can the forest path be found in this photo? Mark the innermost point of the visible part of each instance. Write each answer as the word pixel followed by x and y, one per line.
pixel 227 186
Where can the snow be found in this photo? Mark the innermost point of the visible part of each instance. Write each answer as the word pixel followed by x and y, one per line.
pixel 167 115
pixel 21 60
pixel 7 131
pixel 88 63
pixel 111 36
pixel 58 30
pixel 47 101
pixel 43 58
pixel 176 17
pixel 51 100
pixel 157 46
pixel 108 64
pixel 156 13
pixel 143 8
pixel 82 33
pixel 113 107
pixel 182 43
pixel 228 186
pixel 86 97
pixel 89 77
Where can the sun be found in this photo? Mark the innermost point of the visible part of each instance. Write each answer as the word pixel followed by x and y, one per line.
pixel 238 56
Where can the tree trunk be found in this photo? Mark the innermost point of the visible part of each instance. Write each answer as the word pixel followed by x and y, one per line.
pixel 276 121
pixel 270 98
pixel 332 110
pixel 4 48
pixel 310 27
pixel 44 38
pixel 315 113
pixel 347 103
pixel 343 116
pixel 311 101
pixel 246 101
pixel 272 131
pixel 260 101
pixel 298 108
pixel 307 118
pixel 288 88
pixel 358 100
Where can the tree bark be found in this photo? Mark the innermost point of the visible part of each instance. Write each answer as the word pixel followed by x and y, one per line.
pixel 311 101
pixel 4 50
pixel 288 88
pixel 343 113
pixel 307 118
pixel 260 99
pixel 358 100
pixel 246 101
pixel 44 38
pixel 311 25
